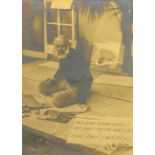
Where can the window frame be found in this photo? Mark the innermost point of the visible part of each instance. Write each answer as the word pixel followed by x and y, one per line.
pixel 49 47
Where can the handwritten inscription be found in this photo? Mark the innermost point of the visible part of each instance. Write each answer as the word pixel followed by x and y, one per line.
pixel 103 131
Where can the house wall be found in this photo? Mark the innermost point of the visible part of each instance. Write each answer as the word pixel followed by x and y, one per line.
pixel 100 30
pixel 32 25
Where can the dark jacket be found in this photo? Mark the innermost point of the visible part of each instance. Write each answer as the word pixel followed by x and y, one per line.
pixel 75 70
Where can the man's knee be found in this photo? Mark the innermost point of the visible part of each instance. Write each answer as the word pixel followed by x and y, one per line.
pixel 46 89
pixel 58 100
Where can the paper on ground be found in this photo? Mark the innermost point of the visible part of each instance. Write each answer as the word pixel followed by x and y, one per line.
pixel 104 133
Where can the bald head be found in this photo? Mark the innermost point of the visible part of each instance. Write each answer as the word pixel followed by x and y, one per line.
pixel 61 40
pixel 61 45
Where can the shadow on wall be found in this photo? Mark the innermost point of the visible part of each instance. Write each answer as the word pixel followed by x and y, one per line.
pixel 98 31
pixel 32 25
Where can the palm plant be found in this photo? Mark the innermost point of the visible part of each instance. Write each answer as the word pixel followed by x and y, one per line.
pixel 114 8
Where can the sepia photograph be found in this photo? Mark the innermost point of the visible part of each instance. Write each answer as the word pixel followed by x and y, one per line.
pixel 77 77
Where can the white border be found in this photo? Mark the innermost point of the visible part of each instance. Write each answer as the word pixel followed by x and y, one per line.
pixel 144 77
pixel 10 77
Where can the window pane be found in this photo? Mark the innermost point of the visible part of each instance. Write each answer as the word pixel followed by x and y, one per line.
pixel 51 13
pixel 67 31
pixel 51 33
pixel 65 16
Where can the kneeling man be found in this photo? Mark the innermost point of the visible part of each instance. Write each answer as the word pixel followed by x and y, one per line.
pixel 72 81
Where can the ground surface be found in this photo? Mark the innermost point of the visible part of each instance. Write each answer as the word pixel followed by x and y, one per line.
pixel 106 100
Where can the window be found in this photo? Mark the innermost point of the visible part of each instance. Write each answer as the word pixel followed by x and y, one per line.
pixel 59 18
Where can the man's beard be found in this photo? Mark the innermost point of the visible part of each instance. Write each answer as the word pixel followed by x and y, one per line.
pixel 61 54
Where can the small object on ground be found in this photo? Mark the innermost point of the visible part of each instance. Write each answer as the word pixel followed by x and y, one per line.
pixel 38 111
pixel 55 116
pixel 26 109
pixel 33 104
pixel 84 108
pixel 25 114
pixel 39 106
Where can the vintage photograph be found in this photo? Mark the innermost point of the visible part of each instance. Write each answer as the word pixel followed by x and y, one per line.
pixel 77 77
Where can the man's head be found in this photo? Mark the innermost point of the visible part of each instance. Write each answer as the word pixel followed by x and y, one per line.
pixel 61 46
